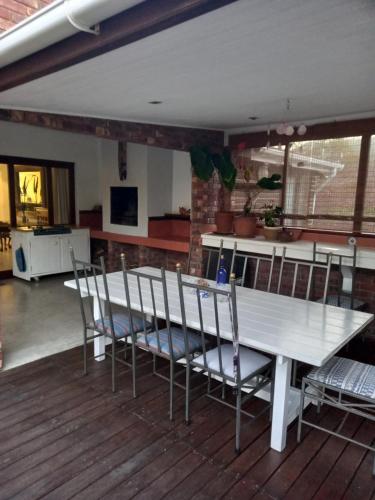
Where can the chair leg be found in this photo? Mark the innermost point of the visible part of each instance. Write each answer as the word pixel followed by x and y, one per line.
pixel 187 394
pixel 208 383
pixel 223 390
pixel 113 366
pixel 85 351
pixel 134 370
pixel 171 386
pixel 154 364
pixel 238 420
pixel 294 373
pixel 301 405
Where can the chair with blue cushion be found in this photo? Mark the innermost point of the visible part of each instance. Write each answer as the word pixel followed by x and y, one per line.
pixel 343 384
pixel 246 370
pixel 148 295
pixel 103 323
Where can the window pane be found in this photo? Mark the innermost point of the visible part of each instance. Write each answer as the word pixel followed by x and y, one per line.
pixel 31 195
pixel 369 202
pixel 252 165
pixel 324 224
pixel 322 180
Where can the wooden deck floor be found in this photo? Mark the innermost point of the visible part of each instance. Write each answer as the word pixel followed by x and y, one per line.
pixel 63 436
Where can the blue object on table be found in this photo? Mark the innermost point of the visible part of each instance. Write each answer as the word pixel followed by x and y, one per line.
pixel 20 259
pixel 222 273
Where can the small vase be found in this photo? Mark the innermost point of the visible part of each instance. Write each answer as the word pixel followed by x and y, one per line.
pixel 224 222
pixel 245 226
pixel 272 233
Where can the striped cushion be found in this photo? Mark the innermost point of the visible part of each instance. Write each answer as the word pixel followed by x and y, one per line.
pixel 121 325
pixel 351 376
pixel 345 302
pixel 178 342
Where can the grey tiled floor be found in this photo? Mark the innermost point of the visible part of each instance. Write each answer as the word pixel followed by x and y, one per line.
pixel 38 319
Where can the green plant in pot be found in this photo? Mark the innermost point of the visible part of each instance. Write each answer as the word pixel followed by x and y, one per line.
pixel 205 163
pixel 245 224
pixel 272 226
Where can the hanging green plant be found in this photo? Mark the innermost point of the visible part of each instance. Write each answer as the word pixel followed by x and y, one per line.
pixel 204 163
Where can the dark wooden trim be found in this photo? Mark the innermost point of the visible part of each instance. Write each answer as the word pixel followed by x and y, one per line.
pixel 330 130
pixel 319 217
pixel 12 194
pixel 284 174
pixel 361 181
pixel 72 201
pixel 22 160
pixel 122 29
pixel 51 214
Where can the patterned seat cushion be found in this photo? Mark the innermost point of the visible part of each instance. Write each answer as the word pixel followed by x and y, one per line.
pixel 250 361
pixel 345 302
pixel 178 342
pixel 121 325
pixel 351 376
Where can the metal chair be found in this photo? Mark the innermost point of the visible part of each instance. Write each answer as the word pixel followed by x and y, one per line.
pixel 212 253
pixel 102 322
pixel 149 294
pixel 345 295
pixel 239 366
pixel 343 378
pixel 240 261
pixel 311 267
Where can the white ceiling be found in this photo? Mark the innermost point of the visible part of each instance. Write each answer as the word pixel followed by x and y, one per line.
pixel 217 70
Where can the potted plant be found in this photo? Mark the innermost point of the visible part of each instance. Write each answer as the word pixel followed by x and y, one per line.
pixel 272 225
pixel 245 224
pixel 205 163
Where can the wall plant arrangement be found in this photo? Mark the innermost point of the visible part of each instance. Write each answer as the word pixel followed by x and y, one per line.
pixel 205 162
pixel 245 224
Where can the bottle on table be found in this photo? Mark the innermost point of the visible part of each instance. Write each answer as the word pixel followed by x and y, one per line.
pixel 222 274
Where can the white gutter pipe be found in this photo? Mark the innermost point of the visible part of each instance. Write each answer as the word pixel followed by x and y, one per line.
pixel 59 20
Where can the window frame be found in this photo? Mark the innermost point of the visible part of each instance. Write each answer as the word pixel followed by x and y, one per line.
pixel 11 161
pixel 335 130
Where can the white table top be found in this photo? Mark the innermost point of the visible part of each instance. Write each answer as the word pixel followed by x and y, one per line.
pixel 306 331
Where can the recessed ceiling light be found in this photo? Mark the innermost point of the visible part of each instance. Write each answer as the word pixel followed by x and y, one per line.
pixel 253 118
pixel 155 102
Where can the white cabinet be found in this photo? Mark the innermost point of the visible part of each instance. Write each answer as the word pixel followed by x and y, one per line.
pixel 44 254
pixel 81 248
pixel 49 254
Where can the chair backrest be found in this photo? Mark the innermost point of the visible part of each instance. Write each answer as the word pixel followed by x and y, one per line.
pixel 311 268
pixel 93 284
pixel 347 272
pixel 240 262
pixel 147 294
pixel 211 315
pixel 212 253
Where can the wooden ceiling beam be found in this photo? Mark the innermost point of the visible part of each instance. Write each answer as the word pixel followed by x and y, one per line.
pixel 139 22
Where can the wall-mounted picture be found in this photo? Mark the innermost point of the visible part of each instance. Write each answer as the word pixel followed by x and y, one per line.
pixel 30 187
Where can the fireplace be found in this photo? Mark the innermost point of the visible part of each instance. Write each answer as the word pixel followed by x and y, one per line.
pixel 124 206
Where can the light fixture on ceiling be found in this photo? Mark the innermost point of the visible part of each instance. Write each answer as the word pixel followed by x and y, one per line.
pixel 286 128
pixel 155 102
pixel 253 118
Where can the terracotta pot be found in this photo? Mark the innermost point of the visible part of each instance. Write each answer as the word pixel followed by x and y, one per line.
pixel 224 222
pixel 245 226
pixel 272 233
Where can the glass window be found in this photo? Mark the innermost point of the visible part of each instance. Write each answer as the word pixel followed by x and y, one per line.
pixel 253 164
pixel 30 183
pixel 321 183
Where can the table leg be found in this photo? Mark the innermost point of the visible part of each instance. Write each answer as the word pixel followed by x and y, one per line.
pixel 280 403
pixel 99 342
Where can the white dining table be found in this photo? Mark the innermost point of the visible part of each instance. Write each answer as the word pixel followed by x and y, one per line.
pixel 289 328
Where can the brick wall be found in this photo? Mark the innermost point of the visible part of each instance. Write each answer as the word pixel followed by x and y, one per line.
pixel 135 255
pixel 14 11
